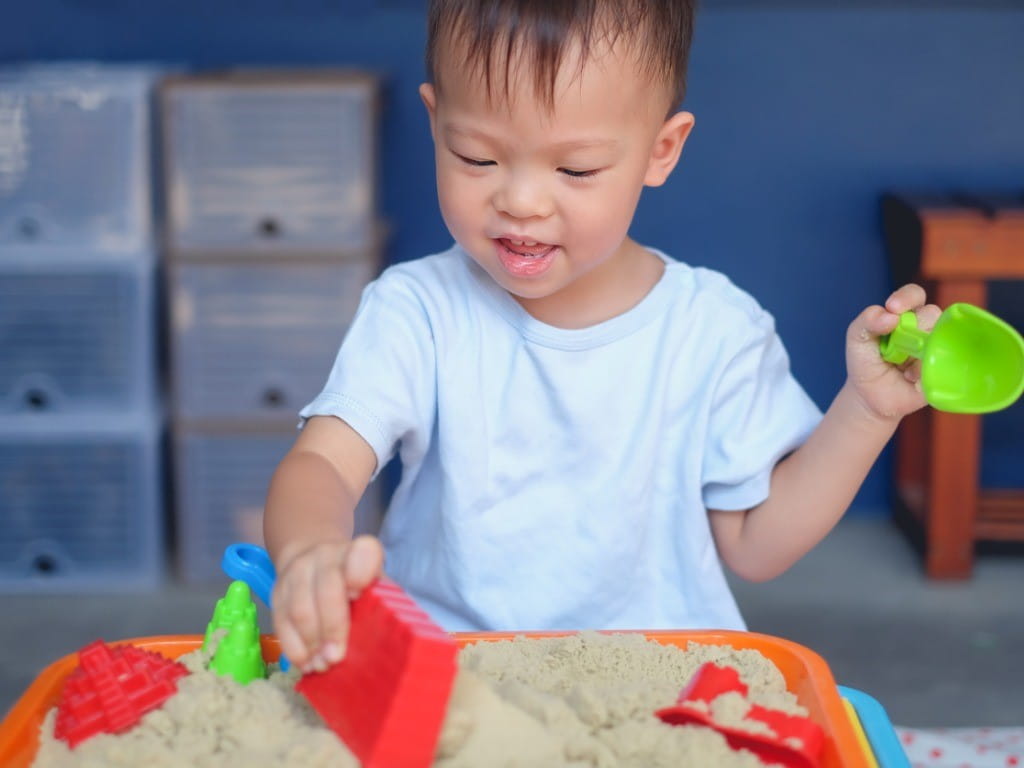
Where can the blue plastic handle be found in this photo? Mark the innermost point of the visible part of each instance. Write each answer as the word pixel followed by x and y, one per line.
pixel 881 735
pixel 252 564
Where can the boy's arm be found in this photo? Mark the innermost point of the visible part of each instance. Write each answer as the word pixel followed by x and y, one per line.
pixel 810 491
pixel 307 526
pixel 813 486
pixel 314 490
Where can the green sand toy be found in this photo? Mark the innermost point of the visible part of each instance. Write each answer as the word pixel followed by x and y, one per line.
pixel 971 361
pixel 236 605
pixel 238 654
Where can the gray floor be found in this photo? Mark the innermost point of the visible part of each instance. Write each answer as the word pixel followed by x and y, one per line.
pixel 935 654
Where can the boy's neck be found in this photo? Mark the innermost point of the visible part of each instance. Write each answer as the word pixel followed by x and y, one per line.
pixel 609 290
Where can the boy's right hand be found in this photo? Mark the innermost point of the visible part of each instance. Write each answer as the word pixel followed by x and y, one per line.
pixel 314 585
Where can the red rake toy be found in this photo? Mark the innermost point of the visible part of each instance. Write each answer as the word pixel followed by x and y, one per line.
pixel 112 688
pixel 387 698
pixel 797 741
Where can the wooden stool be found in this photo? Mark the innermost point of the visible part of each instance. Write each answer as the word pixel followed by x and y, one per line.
pixel 953 246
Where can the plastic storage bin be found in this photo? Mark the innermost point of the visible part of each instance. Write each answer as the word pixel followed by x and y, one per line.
pixel 258 341
pixel 222 481
pixel 75 161
pixel 81 503
pixel 806 674
pixel 77 337
pixel 270 163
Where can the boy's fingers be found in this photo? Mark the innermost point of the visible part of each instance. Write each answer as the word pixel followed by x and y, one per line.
pixel 299 607
pixel 912 372
pixel 905 298
pixel 927 316
pixel 872 322
pixel 332 606
pixel 878 321
pixel 311 613
pixel 362 564
pixel 291 644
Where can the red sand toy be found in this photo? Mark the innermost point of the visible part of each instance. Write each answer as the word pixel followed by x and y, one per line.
pixel 797 741
pixel 112 689
pixel 387 698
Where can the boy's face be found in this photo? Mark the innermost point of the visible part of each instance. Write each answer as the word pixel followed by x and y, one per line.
pixel 542 198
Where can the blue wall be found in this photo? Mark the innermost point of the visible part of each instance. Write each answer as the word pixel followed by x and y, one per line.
pixel 805 113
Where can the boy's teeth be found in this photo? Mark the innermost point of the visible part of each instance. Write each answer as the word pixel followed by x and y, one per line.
pixel 527 247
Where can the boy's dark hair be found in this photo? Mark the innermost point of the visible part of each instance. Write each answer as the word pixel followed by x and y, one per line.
pixel 490 31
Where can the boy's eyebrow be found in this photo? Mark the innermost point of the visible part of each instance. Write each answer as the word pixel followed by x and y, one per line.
pixel 561 145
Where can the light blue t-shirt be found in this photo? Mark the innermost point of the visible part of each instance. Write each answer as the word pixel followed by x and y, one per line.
pixel 560 478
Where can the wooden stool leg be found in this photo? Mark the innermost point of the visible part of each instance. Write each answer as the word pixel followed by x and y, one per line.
pixel 954 459
pixel 953 495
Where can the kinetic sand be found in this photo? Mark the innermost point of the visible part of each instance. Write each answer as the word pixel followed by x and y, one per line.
pixel 585 700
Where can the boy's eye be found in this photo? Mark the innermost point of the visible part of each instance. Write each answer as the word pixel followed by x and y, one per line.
pixel 471 161
pixel 577 174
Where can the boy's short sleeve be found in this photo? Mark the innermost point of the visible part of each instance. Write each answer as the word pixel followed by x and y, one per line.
pixel 382 382
pixel 759 414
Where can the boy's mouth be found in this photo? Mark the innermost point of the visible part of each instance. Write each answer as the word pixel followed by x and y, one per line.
pixel 524 258
pixel 528 248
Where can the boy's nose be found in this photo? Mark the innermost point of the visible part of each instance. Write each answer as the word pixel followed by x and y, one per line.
pixel 523 198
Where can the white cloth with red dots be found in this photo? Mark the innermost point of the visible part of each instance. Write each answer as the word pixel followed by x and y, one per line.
pixel 963 747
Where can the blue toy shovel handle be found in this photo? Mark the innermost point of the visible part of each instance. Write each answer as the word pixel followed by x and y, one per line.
pixel 251 563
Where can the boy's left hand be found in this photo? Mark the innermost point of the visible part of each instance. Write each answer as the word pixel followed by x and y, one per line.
pixel 888 391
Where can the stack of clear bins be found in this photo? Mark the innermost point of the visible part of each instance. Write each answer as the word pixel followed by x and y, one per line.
pixel 80 413
pixel 272 234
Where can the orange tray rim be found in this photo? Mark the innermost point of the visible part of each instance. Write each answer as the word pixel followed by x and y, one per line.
pixel 26 711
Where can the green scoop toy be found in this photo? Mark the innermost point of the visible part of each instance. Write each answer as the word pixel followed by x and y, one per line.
pixel 971 361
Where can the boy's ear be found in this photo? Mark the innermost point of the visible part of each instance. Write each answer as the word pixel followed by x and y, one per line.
pixel 429 96
pixel 667 146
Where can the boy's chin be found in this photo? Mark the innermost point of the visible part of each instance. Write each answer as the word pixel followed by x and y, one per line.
pixel 520 288
pixel 527 295
pixel 523 288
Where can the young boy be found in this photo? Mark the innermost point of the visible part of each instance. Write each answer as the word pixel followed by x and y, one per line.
pixel 587 427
